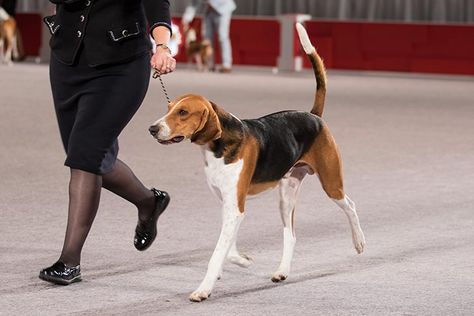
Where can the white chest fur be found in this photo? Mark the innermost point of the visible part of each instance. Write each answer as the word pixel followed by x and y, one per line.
pixel 222 178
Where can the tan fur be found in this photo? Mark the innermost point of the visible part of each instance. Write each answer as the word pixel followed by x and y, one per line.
pixel 249 154
pixel 321 82
pixel 324 158
pixel 200 122
pixel 256 188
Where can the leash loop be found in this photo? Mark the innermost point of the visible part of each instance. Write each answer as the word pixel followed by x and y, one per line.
pixel 156 75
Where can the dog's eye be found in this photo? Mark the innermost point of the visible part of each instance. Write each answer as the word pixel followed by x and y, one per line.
pixel 182 112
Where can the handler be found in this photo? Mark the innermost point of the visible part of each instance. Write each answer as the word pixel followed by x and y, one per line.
pixel 99 73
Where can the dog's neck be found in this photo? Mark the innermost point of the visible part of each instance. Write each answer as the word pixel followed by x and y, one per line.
pixel 230 142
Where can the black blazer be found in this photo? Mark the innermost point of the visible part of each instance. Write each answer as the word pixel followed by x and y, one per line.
pixel 111 31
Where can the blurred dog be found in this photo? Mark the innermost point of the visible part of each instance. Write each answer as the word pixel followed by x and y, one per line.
pixel 8 38
pixel 197 51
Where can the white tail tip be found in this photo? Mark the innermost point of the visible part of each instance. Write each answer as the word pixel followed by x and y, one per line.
pixel 304 39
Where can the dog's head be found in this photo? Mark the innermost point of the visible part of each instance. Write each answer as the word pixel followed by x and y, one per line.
pixel 189 117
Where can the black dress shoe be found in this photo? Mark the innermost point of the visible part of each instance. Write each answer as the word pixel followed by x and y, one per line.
pixel 59 273
pixel 145 233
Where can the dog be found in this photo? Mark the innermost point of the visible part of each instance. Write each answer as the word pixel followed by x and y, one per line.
pixel 246 157
pixel 8 38
pixel 197 51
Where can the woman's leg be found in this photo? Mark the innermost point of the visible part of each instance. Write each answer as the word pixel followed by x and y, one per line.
pixel 84 196
pixel 123 182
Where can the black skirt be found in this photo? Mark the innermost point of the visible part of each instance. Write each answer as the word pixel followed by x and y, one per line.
pixel 93 105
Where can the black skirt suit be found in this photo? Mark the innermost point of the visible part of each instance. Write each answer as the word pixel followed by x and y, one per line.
pixel 99 72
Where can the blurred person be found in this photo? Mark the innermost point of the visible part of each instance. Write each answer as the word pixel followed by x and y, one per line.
pixel 217 18
pixel 99 73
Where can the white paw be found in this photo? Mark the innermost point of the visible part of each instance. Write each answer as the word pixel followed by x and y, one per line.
pixel 279 276
pixel 359 241
pixel 199 296
pixel 243 261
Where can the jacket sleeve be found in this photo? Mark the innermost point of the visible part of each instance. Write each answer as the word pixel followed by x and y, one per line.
pixel 158 13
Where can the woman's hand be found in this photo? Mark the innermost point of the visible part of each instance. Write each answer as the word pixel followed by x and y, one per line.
pixel 162 61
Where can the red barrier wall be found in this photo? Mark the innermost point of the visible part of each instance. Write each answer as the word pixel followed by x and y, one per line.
pixel 395 46
pixel 343 45
pixel 30 27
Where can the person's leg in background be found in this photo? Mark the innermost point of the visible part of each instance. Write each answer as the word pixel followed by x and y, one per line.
pixel 209 29
pixel 224 41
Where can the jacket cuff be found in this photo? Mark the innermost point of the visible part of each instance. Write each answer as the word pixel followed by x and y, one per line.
pixel 152 27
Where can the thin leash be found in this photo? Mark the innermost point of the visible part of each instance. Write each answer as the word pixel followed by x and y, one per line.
pixel 157 74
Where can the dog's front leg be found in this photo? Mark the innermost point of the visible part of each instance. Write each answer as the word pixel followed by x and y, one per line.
pixel 232 218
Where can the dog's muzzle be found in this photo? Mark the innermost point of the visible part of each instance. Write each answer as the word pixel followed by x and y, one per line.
pixel 154 129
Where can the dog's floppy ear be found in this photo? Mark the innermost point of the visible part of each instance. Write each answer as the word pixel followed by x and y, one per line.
pixel 209 128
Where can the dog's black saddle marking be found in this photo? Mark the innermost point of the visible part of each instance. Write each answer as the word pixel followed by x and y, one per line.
pixel 283 138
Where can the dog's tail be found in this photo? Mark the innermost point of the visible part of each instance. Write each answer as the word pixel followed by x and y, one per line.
pixel 318 68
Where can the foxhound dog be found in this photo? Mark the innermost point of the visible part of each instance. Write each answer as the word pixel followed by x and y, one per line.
pixel 246 157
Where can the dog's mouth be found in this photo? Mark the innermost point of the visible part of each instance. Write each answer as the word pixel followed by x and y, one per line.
pixel 173 140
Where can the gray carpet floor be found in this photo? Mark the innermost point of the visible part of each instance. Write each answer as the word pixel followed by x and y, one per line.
pixel 408 148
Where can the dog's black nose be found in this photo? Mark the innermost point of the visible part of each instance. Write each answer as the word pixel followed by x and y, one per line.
pixel 154 129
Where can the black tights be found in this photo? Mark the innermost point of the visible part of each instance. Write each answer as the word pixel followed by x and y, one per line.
pixel 84 196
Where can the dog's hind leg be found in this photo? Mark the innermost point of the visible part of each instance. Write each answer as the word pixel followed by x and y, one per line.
pixel 237 258
pixel 349 209
pixel 329 168
pixel 289 188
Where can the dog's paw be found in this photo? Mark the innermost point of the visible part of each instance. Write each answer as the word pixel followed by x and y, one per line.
pixel 359 241
pixel 279 276
pixel 199 296
pixel 243 261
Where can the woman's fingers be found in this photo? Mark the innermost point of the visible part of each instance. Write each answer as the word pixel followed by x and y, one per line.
pixel 163 62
